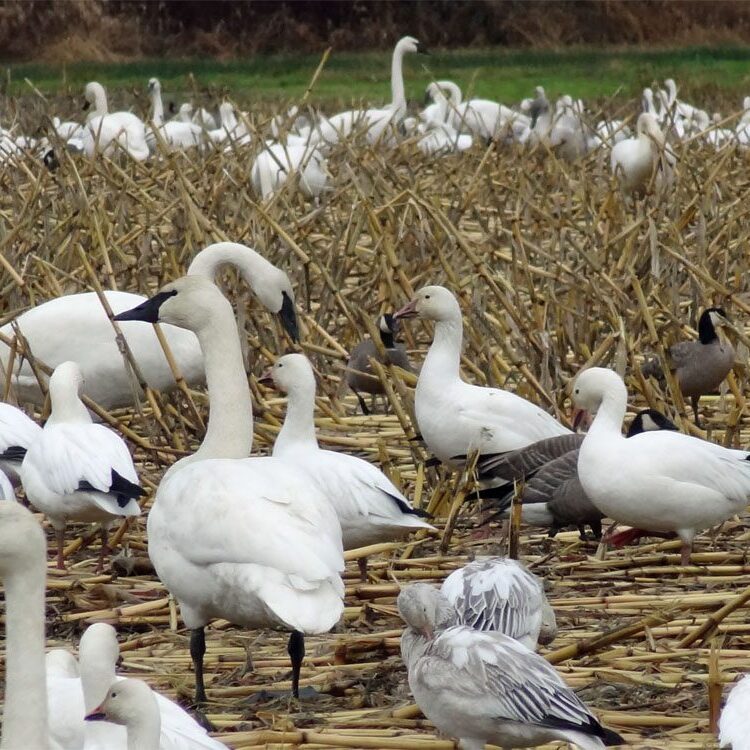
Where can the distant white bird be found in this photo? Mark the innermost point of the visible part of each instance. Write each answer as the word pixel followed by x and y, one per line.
pixel 377 124
pixel 487 688
pixel 500 595
pixel 647 158
pixel 17 433
pixel 77 689
pixel 109 133
pixel 278 162
pixel 176 134
pixel 201 117
pixel 76 327
pixel 231 132
pixel 67 130
pixel 369 506
pixel 436 91
pixel 76 470
pixel 674 482
pixel 733 724
pixel 249 540
pixel 454 417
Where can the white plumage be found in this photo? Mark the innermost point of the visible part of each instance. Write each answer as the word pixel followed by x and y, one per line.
pixel 76 327
pixel 76 470
pixel 487 688
pixel 245 539
pixel 369 506
pixel 175 134
pixel 17 433
pixel 455 417
pixel 673 483
pixel 74 689
pixel 734 723
pixel 500 595
pixel 278 162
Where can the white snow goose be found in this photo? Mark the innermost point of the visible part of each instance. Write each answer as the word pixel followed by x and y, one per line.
pixel 454 417
pixel 77 470
pixel 369 506
pixel 673 483
pixel 733 722
pixel 487 688
pixel 17 433
pixel 245 539
pixel 500 595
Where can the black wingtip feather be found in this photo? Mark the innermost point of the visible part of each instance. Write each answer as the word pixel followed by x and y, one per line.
pixel 611 739
pixel 123 489
pixel 14 453
pixel 406 508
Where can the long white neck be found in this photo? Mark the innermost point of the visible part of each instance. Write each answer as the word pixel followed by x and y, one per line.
pixel 398 96
pixel 100 100
pixel 230 420
pixel 158 106
pixel 25 713
pixel 253 266
pixel 611 412
pixel 67 406
pixel 144 733
pixel 454 92
pixel 298 430
pixel 443 358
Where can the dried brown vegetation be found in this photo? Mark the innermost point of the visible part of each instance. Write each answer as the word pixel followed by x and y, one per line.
pixel 554 271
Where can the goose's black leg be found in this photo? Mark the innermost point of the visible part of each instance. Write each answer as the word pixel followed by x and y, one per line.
pixel 362 403
pixel 596 529
pixel 197 652
pixel 582 533
pixel 694 400
pixel 296 651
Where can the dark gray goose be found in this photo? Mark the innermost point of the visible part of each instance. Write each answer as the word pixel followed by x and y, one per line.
pixel 359 375
pixel 699 366
pixel 552 495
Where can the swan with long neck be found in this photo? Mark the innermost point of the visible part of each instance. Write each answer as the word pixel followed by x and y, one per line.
pixel 175 134
pixel 376 123
pixel 454 417
pixel 674 483
pixel 245 539
pixel 23 569
pixel 76 327
pixel 108 133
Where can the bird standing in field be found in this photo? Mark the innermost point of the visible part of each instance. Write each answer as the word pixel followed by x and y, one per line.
pixel 699 366
pixel 359 375
pixel 77 470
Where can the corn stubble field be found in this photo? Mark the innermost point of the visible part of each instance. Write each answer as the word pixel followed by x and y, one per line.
pixel 555 271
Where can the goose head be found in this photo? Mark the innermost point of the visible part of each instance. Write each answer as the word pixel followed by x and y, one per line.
pixel 650 420
pixel 711 319
pixel 425 609
pixel 290 373
pixel 388 324
pixel 591 387
pixel 431 303
pixel 98 656
pixel 127 703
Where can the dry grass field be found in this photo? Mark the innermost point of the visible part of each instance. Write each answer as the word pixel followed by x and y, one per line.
pixel 555 272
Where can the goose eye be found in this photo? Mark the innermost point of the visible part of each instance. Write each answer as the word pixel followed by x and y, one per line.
pixel 427 296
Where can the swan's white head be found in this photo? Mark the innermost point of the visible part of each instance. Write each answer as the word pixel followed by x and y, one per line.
pixel 154 85
pixel 425 609
pixel 94 93
pixel 186 109
pixel 293 372
pixel 591 387
pixel 129 703
pixel 647 125
pixel 431 303
pixel 410 44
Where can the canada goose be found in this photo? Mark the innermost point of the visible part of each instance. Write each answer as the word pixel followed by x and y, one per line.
pixel 699 366
pixel 359 375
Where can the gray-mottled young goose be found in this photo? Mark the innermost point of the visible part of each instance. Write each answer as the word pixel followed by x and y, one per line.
pixel 699 366
pixel 359 375
pixel 552 495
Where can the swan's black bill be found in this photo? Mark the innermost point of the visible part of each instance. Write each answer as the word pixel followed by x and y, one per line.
pixel 147 311
pixel 86 105
pixel 422 49
pixel 288 317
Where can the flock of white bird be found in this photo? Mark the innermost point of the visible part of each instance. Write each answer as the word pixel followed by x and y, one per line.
pixel 299 144
pixel 259 541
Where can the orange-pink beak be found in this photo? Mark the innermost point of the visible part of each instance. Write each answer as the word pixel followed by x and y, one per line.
pixel 409 310
pixel 581 418
pixel 267 379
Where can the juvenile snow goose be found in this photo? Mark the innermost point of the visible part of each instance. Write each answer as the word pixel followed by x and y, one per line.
pixel 500 595
pixel 76 327
pixel 733 724
pixel 674 483
pixel 245 539
pixel 77 470
pixel 359 375
pixel 107 132
pixel 699 366
pixel 17 433
pixel 369 506
pixel 76 689
pixel 552 494
pixel 487 688
pixel 454 417
pixel 647 158
pixel 23 569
